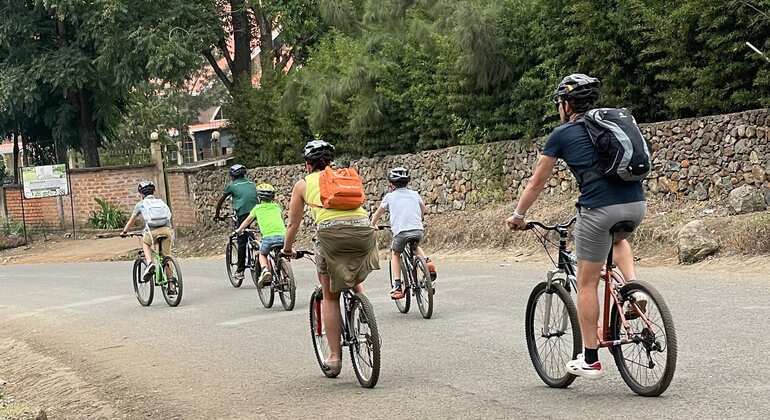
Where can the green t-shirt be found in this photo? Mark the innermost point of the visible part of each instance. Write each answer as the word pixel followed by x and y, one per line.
pixel 269 217
pixel 244 194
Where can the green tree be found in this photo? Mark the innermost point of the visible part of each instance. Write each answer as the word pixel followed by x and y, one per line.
pixel 72 64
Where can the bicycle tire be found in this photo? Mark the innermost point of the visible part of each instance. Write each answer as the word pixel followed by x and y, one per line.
pixel 423 288
pixel 288 292
pixel 318 333
pixel 231 247
pixel 616 326
pixel 404 303
pixel 252 256
pixel 173 301
pixel 266 293
pixel 565 380
pixel 362 305
pixel 138 282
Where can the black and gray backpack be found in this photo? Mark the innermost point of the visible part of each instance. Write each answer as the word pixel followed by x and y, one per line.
pixel 624 154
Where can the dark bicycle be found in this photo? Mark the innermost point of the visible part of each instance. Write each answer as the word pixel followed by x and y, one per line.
pixel 283 281
pixel 637 325
pixel 416 280
pixel 231 255
pixel 359 333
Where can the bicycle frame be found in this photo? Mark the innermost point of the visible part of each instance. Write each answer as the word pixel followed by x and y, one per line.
pixel 408 263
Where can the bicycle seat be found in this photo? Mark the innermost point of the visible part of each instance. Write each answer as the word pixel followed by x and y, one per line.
pixel 276 247
pixel 624 226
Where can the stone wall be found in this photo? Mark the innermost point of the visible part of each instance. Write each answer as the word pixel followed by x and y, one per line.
pixel 694 159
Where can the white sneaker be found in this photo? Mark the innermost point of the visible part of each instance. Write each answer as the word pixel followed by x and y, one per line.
pixel 149 272
pixel 265 278
pixel 579 367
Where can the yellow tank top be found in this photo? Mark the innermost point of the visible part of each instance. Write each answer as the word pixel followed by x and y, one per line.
pixel 320 214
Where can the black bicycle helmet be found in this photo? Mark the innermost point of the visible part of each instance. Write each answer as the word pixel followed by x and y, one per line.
pixel 146 188
pixel 318 150
pixel 237 170
pixel 265 191
pixel 399 175
pixel 578 88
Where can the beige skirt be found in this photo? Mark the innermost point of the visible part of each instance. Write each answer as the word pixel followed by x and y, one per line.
pixel 347 254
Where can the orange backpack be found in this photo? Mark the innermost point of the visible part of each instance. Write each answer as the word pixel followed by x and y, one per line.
pixel 341 189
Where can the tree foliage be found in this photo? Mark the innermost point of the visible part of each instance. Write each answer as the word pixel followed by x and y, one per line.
pixel 399 76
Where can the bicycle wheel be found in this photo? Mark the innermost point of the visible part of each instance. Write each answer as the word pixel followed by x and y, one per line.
pixel 552 346
pixel 423 290
pixel 252 258
pixel 287 287
pixel 266 293
pixel 647 365
pixel 318 333
pixel 365 341
pixel 404 303
pixel 143 289
pixel 175 277
pixel 231 261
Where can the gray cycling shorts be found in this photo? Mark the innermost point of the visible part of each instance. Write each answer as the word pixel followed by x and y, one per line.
pixel 592 230
pixel 403 238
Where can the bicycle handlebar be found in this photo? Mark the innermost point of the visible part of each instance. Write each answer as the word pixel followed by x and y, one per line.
pixel 383 227
pixel 297 254
pixel 133 234
pixel 560 226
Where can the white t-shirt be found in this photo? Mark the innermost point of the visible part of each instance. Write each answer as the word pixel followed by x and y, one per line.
pixel 405 212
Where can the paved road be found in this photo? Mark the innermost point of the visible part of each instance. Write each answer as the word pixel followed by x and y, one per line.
pixel 221 355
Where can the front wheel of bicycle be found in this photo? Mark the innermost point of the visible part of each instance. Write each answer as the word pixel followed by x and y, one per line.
pixel 405 302
pixel 647 365
pixel 423 288
pixel 143 289
pixel 365 341
pixel 173 277
pixel 231 262
pixel 288 288
pixel 318 333
pixel 552 346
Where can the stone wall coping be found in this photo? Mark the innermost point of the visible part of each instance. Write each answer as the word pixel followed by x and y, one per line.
pixel 195 167
pixel 110 168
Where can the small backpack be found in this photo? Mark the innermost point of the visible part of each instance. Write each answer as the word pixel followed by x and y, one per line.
pixel 156 213
pixel 624 154
pixel 341 189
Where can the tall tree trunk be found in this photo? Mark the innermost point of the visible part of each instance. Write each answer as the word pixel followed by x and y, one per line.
pixel 242 34
pixel 267 52
pixel 89 141
pixel 16 158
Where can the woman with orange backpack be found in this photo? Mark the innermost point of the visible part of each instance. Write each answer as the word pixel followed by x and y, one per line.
pixel 346 244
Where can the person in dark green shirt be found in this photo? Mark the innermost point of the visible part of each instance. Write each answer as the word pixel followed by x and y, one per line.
pixel 244 196
pixel 269 217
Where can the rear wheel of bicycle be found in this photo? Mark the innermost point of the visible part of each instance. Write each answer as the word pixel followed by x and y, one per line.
pixel 552 346
pixel 365 341
pixel 231 261
pixel 318 333
pixel 288 288
pixel 423 291
pixel 647 366
pixel 173 277
pixel 143 289
pixel 266 293
pixel 404 303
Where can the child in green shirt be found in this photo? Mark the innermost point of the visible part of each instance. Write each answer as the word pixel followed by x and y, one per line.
pixel 269 217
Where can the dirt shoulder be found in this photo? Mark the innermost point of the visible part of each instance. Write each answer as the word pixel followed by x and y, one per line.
pixel 475 234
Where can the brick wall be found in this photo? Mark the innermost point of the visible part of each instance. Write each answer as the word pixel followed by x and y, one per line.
pixel 181 201
pixel 115 184
pixel 40 211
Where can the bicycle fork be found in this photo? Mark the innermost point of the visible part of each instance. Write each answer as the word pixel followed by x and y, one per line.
pixel 548 304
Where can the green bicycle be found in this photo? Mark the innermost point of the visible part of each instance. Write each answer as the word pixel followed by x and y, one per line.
pixel 170 274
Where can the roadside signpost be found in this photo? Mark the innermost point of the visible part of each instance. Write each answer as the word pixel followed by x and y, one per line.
pixel 45 181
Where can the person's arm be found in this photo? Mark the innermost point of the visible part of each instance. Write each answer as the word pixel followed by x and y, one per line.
pixel 128 224
pixel 219 205
pixel 377 214
pixel 423 209
pixel 535 186
pixel 296 208
pixel 245 224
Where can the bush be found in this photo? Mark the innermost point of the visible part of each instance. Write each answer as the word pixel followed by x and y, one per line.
pixel 109 216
